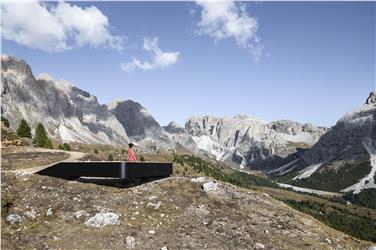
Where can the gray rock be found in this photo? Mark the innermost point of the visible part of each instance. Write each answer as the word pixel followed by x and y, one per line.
pixel 200 179
pixel 49 212
pixel 259 246
pixel 210 187
pixel 103 219
pixel 371 98
pixel 154 205
pixel 14 218
pixel 130 241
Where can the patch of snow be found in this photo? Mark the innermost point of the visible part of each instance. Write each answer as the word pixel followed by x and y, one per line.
pixel 103 219
pixel 307 172
pixel 369 180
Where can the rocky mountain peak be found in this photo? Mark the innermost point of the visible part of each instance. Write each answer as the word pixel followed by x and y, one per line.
pixel 174 128
pixel 371 98
pixel 135 119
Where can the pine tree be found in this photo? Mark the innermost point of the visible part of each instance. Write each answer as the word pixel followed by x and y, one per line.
pixel 40 136
pixel 23 129
pixel 48 144
pixel 5 121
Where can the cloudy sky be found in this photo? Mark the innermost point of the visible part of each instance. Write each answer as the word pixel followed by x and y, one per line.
pixel 304 61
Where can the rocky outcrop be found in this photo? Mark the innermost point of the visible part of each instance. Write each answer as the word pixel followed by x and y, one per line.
pixel 371 98
pixel 68 113
pixel 174 128
pixel 251 142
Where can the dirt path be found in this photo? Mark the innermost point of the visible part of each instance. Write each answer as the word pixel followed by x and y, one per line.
pixel 73 156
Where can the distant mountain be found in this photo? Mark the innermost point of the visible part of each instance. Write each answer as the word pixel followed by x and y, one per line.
pixel 140 125
pixel 249 142
pixel 344 159
pixel 68 113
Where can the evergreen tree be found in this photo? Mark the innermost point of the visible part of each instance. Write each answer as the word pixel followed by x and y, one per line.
pixel 48 144
pixel 5 121
pixel 40 136
pixel 23 129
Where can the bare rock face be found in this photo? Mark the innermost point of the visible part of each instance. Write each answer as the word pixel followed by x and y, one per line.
pixel 68 113
pixel 174 128
pixel 248 141
pixel 140 125
pixel 371 98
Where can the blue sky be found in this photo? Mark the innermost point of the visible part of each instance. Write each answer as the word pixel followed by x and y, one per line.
pixel 317 59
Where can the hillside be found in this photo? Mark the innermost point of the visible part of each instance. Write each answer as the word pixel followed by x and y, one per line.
pixel 188 212
pixel 343 160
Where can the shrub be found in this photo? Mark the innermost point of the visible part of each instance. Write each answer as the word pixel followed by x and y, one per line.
pixel 96 151
pixel 5 121
pixel 23 129
pixel 142 158
pixel 65 147
pixel 110 157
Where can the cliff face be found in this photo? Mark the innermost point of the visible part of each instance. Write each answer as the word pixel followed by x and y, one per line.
pixel 250 142
pixel 68 113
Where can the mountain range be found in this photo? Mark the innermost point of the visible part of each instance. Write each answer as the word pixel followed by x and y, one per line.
pixel 341 158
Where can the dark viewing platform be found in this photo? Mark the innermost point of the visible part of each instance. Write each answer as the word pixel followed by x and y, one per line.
pixel 108 169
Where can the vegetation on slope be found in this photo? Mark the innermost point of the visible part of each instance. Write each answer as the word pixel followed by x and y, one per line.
pixel 209 169
pixel 366 198
pixel 351 223
pixel 335 180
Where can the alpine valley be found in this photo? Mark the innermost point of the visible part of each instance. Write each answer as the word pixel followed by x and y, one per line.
pixel 337 159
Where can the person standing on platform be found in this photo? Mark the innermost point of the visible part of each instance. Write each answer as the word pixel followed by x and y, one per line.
pixel 131 155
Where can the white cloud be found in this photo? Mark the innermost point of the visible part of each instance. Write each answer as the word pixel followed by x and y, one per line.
pixel 160 59
pixel 58 27
pixel 227 19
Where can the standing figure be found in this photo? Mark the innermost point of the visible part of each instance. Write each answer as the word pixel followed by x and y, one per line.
pixel 131 155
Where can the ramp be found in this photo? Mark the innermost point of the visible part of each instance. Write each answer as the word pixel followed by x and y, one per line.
pixel 108 169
